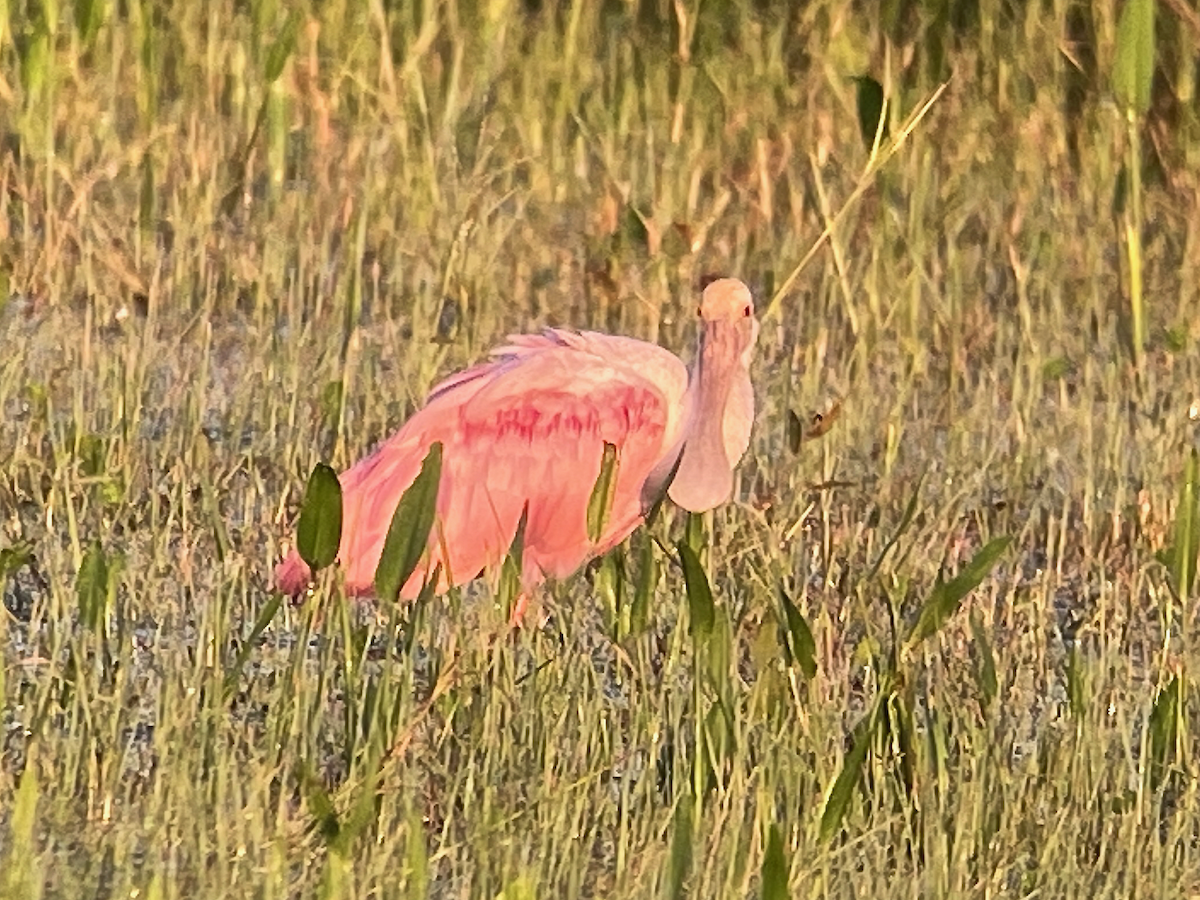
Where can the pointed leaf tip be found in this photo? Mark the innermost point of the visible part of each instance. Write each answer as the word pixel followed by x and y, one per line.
pixel 603 490
pixel 946 596
pixel 408 534
pixel 774 868
pixel 319 531
pixel 799 648
pixel 699 593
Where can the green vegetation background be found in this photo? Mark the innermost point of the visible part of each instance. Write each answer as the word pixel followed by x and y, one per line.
pixel 237 238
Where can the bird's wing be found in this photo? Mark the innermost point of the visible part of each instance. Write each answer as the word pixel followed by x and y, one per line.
pixel 528 426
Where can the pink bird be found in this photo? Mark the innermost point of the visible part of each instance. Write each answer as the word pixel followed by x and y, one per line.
pixel 529 427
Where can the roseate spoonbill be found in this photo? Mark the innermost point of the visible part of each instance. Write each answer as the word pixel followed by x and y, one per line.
pixel 529 427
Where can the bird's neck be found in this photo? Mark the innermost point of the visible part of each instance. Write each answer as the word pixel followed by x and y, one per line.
pixel 705 475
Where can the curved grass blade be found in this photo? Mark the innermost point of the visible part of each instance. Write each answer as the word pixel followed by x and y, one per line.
pixel 700 600
pixel 838 801
pixel 910 510
pixel 601 499
pixel 408 535
pixel 946 596
pixel 234 673
pixel 796 638
pixel 319 531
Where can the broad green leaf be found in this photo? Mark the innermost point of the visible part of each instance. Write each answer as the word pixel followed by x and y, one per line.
pixel 699 594
pixel 91 586
pixel 679 865
pixel 774 868
pixel 946 597
pixel 408 535
pixel 795 636
pixel 319 531
pixel 1133 69
pixel 603 490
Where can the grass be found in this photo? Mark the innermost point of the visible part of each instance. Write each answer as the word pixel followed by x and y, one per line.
pixel 234 244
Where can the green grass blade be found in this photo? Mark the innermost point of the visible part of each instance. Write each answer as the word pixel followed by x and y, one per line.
pixel 1165 718
pixel 838 801
pixel 795 637
pixel 408 535
pixel 679 866
pixel 20 876
pixel 702 616
pixel 511 568
pixel 234 674
pixel 282 47
pixel 603 490
pixel 91 586
pixel 774 868
pixel 985 663
pixel 319 531
pixel 639 610
pixel 910 512
pixel 946 597
pixel 1180 556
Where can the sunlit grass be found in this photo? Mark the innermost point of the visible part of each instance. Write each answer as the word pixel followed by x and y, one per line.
pixel 234 244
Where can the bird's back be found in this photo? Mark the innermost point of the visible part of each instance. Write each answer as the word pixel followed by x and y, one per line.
pixel 527 426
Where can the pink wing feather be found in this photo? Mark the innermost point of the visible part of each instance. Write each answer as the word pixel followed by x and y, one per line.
pixel 527 426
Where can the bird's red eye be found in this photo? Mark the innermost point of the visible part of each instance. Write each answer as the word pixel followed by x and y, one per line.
pixel 746 311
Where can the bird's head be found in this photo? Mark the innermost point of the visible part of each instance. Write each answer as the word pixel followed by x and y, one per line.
pixel 727 315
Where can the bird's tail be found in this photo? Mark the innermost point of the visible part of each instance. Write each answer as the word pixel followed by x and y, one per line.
pixel 292 576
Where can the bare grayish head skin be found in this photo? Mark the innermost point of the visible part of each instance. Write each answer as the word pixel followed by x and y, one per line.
pixel 720 398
